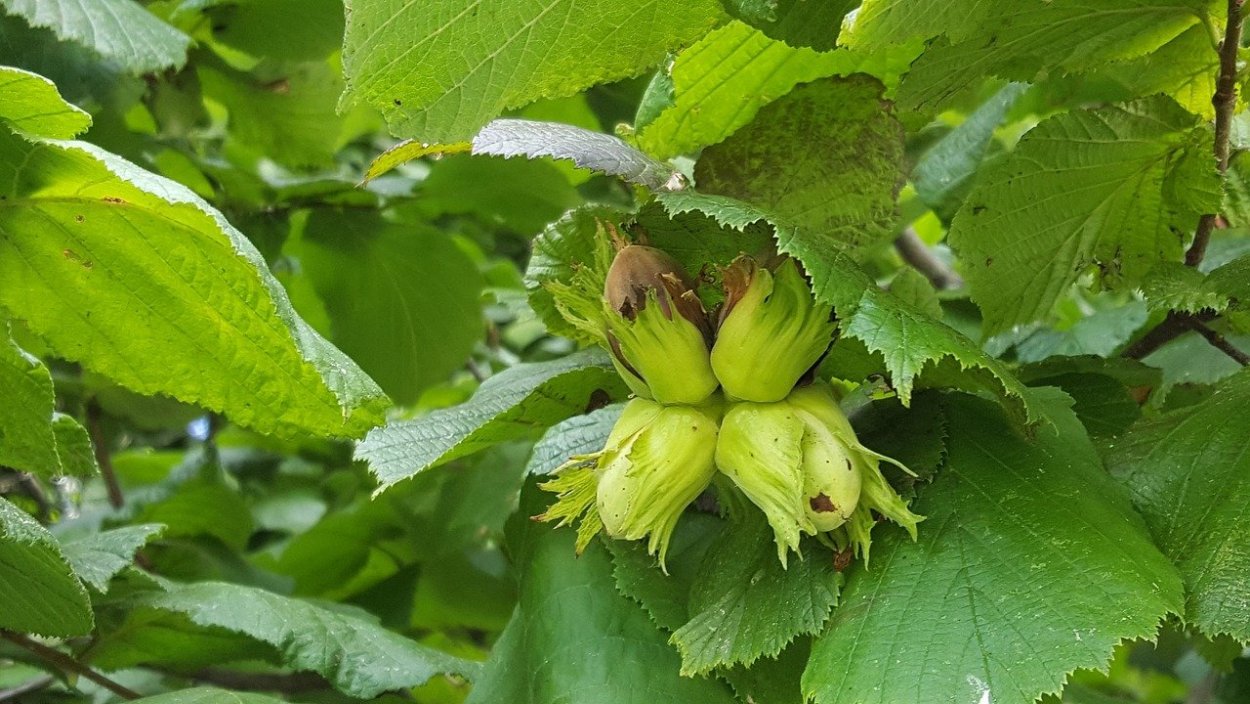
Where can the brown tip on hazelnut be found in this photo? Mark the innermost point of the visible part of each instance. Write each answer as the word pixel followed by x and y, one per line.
pixel 736 278
pixel 639 270
pixel 821 503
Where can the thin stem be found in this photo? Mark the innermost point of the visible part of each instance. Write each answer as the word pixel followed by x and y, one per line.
pixel 68 664
pixel 1220 343
pixel 29 486
pixel 1177 324
pixel 102 456
pixel 35 491
pixel 1225 102
pixel 915 252
pixel 1173 326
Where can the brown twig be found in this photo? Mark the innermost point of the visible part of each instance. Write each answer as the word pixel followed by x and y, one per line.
pixel 915 252
pixel 1225 102
pixel 1173 326
pixel 1218 342
pixel 102 456
pixel 36 493
pixel 68 664
pixel 29 486
pixel 1177 324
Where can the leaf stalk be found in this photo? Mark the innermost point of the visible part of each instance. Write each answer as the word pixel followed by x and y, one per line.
pixel 68 664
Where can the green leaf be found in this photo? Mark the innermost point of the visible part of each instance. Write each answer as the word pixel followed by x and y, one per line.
pixel 1097 325
pixel 696 241
pixel 140 280
pixel 431 520
pixel 440 70
pixel 514 194
pixel 1031 564
pixel 665 595
pixel 587 149
pixel 944 174
pixel 204 505
pixel 1105 406
pixel 408 150
pixel 579 435
pixel 1191 360
pixel 402 298
pixel 33 104
pixel 285 111
pixel 77 71
pixel 1185 69
pixel 657 98
pixel 147 637
pixel 914 436
pixel 1189 474
pixel 1016 43
pixel 913 343
pixel 468 506
pixel 914 289
pixel 563 245
pixel 73 446
pixel 33 436
pixel 909 341
pixel 1108 394
pixel 119 30
pixel 744 605
pixel 772 680
pixel 1106 188
pixel 1232 280
pixel 827 157
pixel 724 79
pixel 1174 286
pixel 795 22
pixel 340 554
pixel 208 695
pixel 513 404
pixel 38 591
pixel 574 638
pixel 98 557
pixel 1237 188
pixel 359 657
pixel 292 30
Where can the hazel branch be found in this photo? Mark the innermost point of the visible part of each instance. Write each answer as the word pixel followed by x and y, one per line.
pixel 68 664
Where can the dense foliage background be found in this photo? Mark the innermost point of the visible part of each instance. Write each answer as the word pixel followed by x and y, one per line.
pixel 279 373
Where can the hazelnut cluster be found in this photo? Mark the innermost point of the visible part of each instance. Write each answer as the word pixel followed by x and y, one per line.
pixel 730 393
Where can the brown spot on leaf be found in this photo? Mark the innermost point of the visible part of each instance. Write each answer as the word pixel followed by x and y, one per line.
pixel 280 86
pixel 113 199
pixel 76 258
